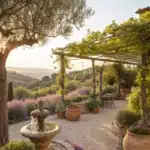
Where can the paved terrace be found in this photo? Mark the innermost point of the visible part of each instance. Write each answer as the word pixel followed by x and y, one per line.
pixel 92 132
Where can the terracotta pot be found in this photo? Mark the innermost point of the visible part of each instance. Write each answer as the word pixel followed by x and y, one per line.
pixel 61 114
pixel 73 113
pixel 95 110
pixel 136 142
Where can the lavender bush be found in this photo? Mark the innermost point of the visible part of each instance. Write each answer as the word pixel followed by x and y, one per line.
pixel 84 91
pixel 19 110
pixel 30 105
pixel 16 111
pixel 78 92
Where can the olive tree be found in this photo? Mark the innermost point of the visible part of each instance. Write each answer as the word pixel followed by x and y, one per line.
pixel 26 22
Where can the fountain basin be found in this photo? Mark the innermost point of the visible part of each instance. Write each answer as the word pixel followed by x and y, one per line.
pixel 41 140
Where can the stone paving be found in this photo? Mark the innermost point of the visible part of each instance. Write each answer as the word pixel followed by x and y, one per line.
pixel 92 132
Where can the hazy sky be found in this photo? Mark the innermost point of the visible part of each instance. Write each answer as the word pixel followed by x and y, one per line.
pixel 105 12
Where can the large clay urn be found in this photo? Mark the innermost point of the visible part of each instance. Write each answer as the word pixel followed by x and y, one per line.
pixel 136 142
pixel 73 112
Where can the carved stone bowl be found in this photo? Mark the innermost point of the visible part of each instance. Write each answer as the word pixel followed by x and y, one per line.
pixel 41 140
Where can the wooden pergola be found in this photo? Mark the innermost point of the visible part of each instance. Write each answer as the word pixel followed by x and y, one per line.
pixel 133 60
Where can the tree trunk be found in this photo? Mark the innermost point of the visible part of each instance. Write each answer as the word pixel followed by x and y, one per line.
pixel 3 79
pixel 143 85
pixel 101 82
pixel 3 102
pixel 94 85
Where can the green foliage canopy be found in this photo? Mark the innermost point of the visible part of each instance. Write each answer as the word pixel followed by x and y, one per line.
pixel 25 22
pixel 131 36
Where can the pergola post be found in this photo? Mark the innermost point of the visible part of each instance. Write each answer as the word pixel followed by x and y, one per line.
pixel 119 84
pixel 62 76
pixel 144 68
pixel 93 71
pixel 101 82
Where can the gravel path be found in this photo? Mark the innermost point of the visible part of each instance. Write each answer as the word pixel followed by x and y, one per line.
pixel 92 132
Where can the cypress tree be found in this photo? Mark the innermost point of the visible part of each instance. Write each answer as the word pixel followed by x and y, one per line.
pixel 10 91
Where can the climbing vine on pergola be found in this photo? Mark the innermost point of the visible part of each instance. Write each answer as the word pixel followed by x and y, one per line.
pixel 128 41
pixel 93 59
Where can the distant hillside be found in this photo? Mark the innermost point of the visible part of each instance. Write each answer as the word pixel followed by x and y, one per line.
pixel 32 72
pixel 19 79
pixel 28 77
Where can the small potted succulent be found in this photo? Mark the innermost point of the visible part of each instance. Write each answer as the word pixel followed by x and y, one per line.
pixel 73 112
pixel 60 110
pixel 94 106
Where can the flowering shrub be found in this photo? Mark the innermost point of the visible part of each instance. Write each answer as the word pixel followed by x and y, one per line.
pixel 19 110
pixel 55 98
pixel 16 111
pixel 79 92
pixel 84 91
pixel 30 105
pixel 49 106
pixel 71 95
pixel 50 102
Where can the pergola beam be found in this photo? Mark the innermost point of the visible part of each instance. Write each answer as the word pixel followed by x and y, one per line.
pixel 62 69
pixel 96 59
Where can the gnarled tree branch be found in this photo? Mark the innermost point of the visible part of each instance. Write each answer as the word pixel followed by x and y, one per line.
pixel 15 44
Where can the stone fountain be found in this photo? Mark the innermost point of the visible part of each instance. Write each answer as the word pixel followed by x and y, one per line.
pixel 39 132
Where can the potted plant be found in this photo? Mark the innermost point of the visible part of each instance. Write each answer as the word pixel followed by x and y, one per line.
pixel 94 106
pixel 73 112
pixel 81 101
pixel 125 118
pixel 137 137
pixel 60 110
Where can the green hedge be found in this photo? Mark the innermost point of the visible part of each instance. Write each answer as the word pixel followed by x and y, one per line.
pixel 134 100
pixel 18 145
pixel 126 118
pixel 22 92
pixel 109 89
